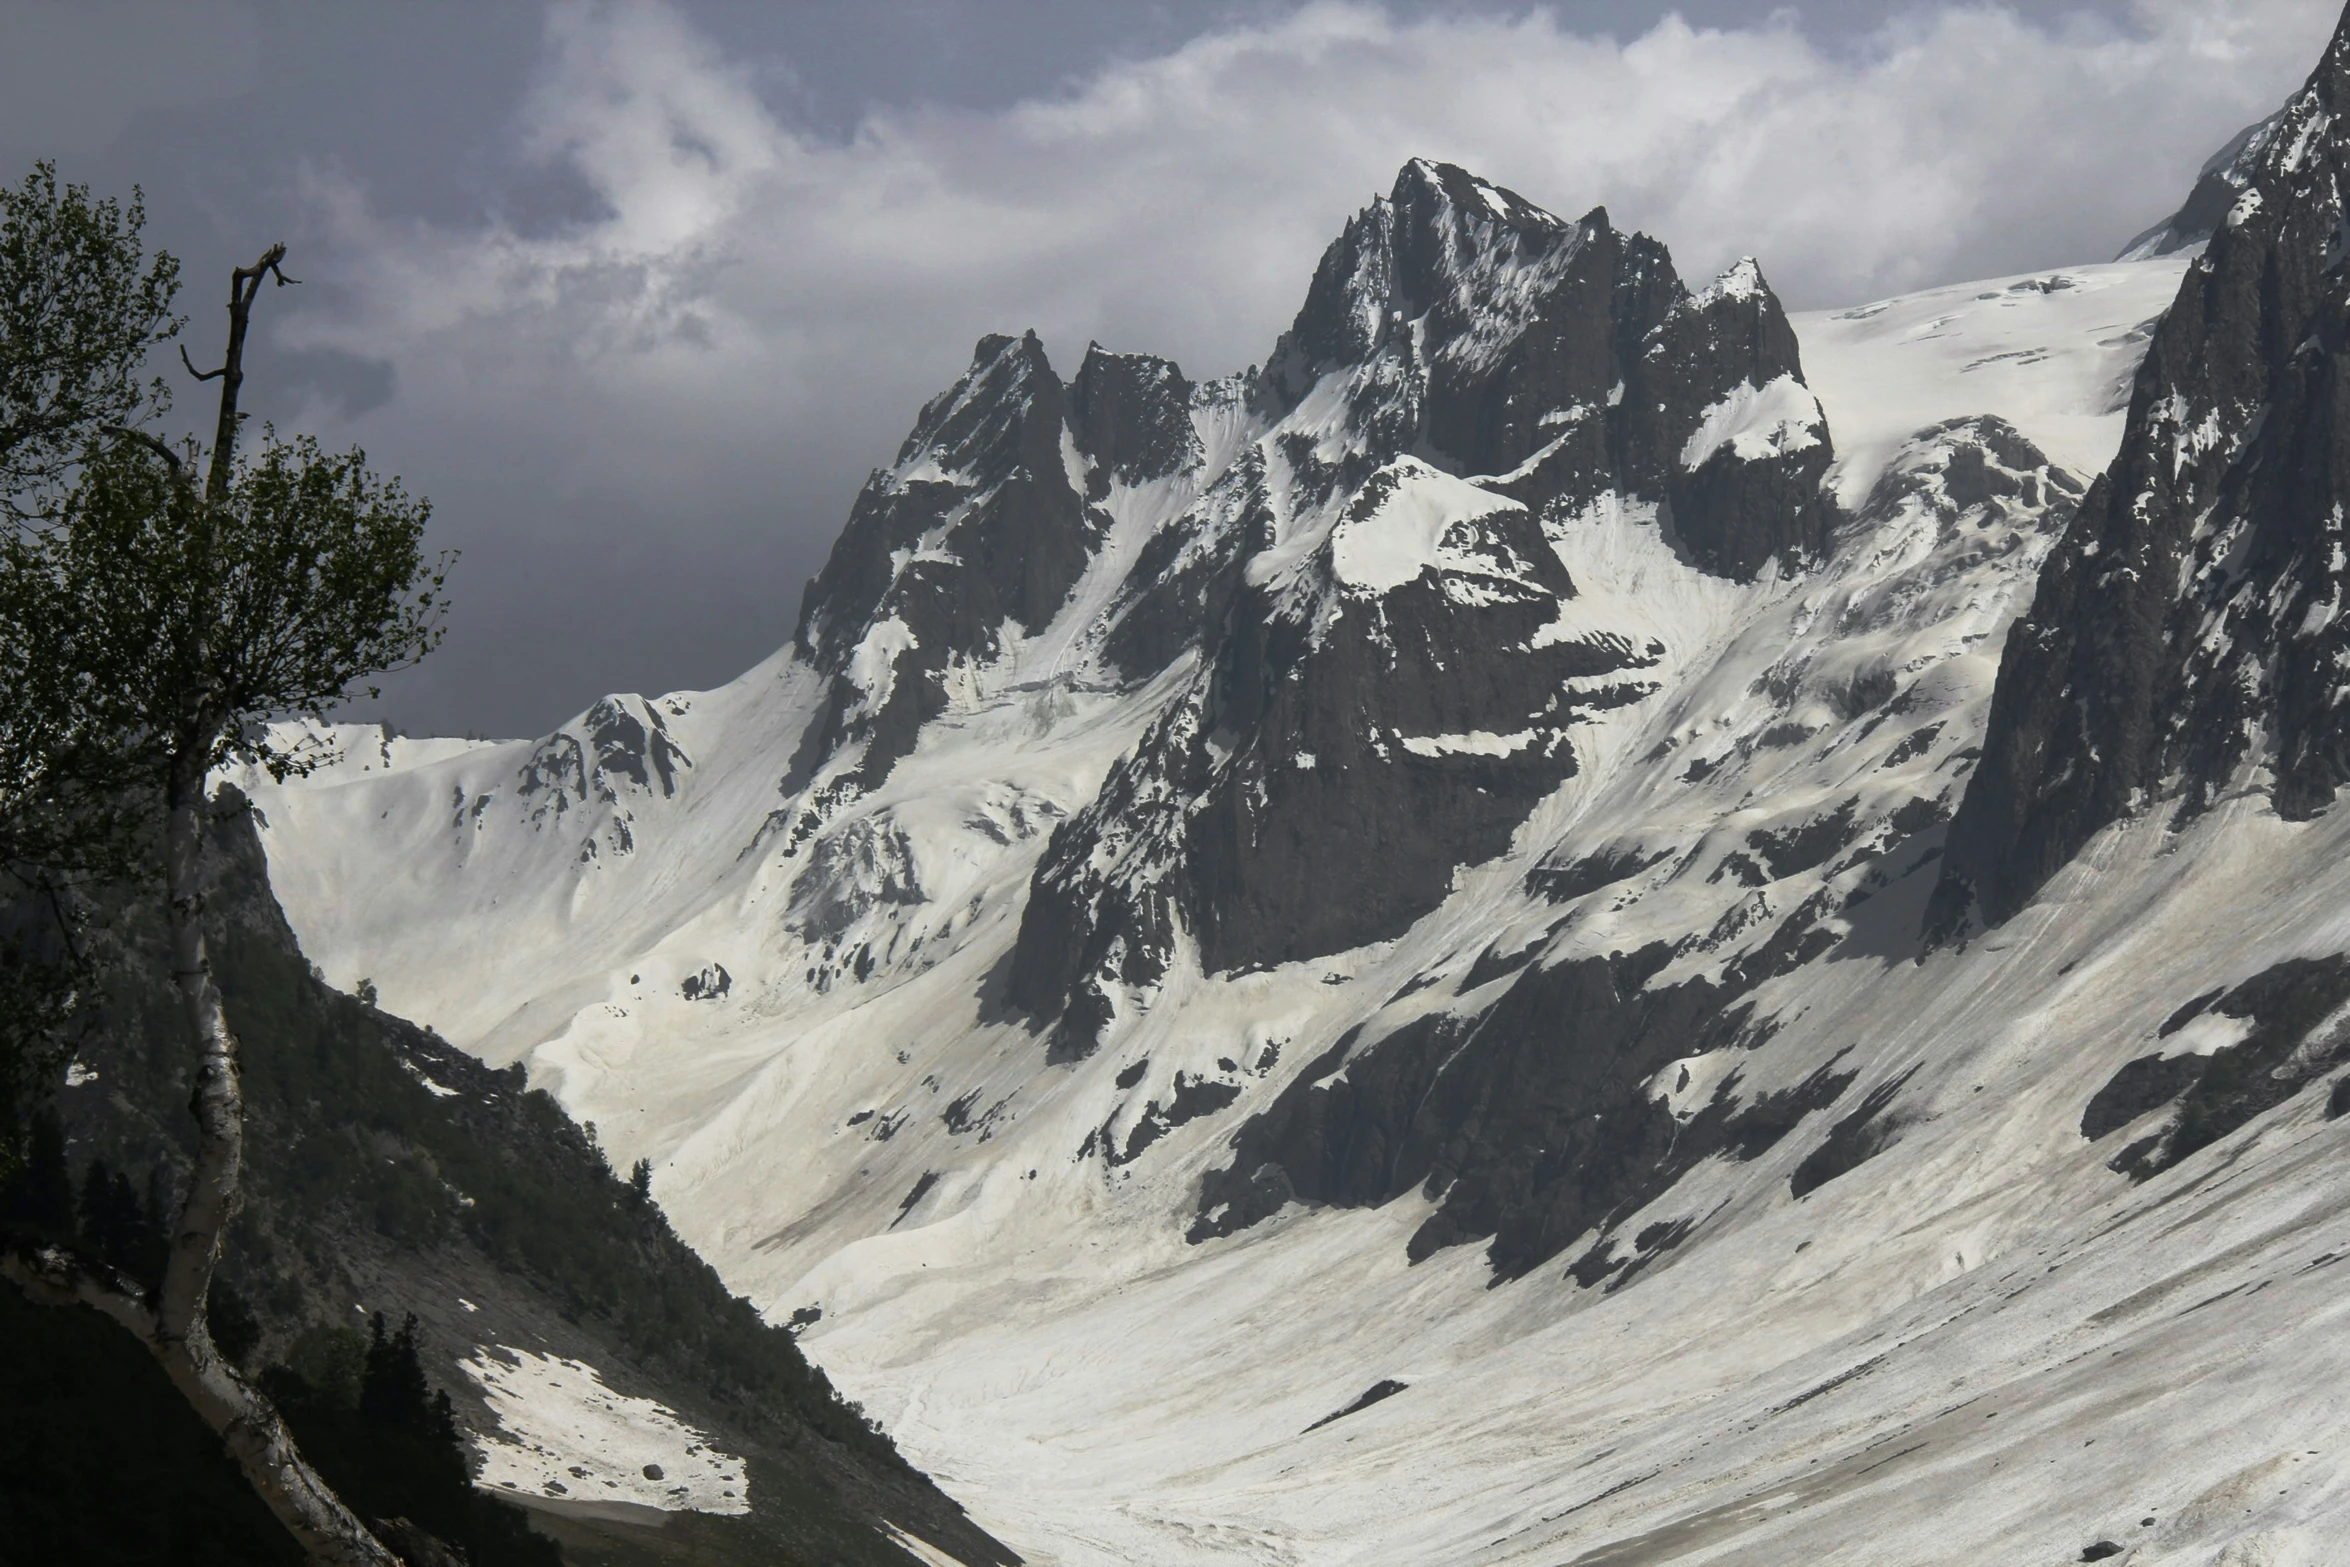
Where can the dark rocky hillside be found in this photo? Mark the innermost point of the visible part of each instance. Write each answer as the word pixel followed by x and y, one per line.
pixel 389 1172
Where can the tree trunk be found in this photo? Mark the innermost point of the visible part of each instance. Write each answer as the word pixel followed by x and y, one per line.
pixel 176 1331
pixel 173 1325
pixel 247 1423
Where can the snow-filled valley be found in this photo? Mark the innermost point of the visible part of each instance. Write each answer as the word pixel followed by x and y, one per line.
pixel 1392 1023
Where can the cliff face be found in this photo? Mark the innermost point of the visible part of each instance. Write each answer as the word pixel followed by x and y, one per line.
pixel 2186 637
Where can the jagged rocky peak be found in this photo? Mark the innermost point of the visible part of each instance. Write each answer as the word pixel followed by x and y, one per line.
pixel 2224 178
pixel 983 464
pixel 1429 259
pixel 981 525
pixel 1565 360
pixel 974 537
pixel 1718 420
pixel 1131 415
pixel 1389 682
pixel 2187 635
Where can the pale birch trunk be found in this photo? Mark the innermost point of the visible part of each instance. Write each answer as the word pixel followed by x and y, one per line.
pixel 173 1326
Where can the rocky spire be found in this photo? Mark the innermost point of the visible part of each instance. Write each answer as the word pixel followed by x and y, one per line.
pixel 2189 625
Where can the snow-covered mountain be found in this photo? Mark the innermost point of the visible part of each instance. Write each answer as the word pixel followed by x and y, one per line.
pixel 1333 966
pixel 2226 175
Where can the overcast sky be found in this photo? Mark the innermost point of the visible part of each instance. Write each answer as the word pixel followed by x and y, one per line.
pixel 637 293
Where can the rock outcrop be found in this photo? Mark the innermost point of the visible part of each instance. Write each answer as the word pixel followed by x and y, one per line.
pixel 2187 636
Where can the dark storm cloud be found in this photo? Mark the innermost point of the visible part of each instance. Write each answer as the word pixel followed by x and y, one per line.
pixel 637 292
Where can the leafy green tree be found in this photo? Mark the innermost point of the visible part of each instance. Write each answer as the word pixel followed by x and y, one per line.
pixel 163 623
pixel 82 307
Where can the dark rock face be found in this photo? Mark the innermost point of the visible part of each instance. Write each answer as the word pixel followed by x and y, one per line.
pixel 1317 789
pixel 620 748
pixel 1366 723
pixel 1180 593
pixel 1193 1097
pixel 1558 1107
pixel 1748 496
pixel 1131 414
pixel 1384 1388
pixel 2292 1037
pixel 1535 1120
pixel 2148 1083
pixel 980 523
pixel 2188 623
pixel 1564 883
pixel 625 746
pixel 1853 1141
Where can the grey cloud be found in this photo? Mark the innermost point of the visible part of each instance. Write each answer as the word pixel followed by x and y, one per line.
pixel 661 283
pixel 346 384
pixel 77 73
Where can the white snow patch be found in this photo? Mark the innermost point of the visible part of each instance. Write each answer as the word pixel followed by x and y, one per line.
pixel 563 1433
pixel 1403 535
pixel 873 666
pixel 1743 281
pixel 1477 742
pixel 2055 362
pixel 2208 1035
pixel 430 1087
pixel 1756 423
pixel 918 1548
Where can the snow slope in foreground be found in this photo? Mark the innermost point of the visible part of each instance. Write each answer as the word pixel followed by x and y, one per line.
pixel 1979 1344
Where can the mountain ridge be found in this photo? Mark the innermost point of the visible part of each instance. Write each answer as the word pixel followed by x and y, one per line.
pixel 1614 1125
pixel 2156 659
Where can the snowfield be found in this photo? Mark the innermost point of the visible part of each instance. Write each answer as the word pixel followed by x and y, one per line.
pixel 1979 1344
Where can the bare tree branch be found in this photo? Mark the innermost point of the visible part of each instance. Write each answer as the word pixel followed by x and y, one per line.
pixel 170 458
pixel 244 283
pixel 201 375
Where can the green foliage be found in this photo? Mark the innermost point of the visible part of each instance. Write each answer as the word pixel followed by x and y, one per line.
pixel 369 1421
pixel 105 1464
pixel 171 623
pixel 149 627
pixel 119 1227
pixel 37 1196
pixel 81 306
pixel 109 1220
pixel 331 1364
